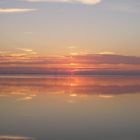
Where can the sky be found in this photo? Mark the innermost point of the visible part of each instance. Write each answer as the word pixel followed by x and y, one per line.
pixel 70 36
pixel 62 27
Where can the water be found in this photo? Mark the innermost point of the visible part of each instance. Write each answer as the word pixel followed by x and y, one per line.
pixel 70 107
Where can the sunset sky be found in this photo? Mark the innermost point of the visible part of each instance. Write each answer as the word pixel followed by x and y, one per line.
pixel 70 35
pixel 70 69
pixel 60 27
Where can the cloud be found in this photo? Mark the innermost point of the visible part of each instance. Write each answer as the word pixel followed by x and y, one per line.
pixel 8 137
pixel 90 64
pixel 18 52
pixel 107 52
pixel 90 2
pixel 25 49
pixel 107 58
pixel 103 58
pixel 15 10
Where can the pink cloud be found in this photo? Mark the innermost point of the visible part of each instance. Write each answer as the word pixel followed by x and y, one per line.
pixel 78 64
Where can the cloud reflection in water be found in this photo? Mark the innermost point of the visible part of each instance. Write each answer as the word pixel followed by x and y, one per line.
pixel 8 137
pixel 26 88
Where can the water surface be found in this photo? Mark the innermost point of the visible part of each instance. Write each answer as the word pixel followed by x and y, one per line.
pixel 70 107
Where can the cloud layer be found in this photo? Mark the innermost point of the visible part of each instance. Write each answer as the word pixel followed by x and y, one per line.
pixel 89 64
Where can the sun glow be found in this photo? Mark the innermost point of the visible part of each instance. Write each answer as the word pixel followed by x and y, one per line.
pixel 73 64
pixel 74 53
pixel 73 95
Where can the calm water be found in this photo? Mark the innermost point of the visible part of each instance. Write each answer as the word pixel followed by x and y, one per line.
pixel 69 108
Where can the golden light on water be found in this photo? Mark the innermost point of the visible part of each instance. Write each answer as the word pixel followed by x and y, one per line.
pixel 106 96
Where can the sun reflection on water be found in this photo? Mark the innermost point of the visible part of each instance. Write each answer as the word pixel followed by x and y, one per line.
pixel 25 89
